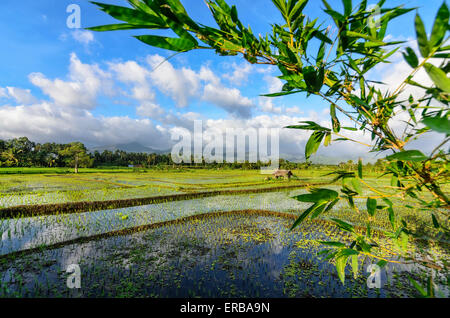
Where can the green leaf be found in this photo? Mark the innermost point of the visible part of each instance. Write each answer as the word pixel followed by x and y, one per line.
pixel 356 185
pixel 341 261
pixel 131 16
pixel 391 216
pixel 408 155
pixel 309 125
pixel 355 265
pixel 371 206
pixel 381 263
pixel 344 225
pixel 360 168
pixel 335 15
pixel 440 26
pixel 320 54
pixel 313 143
pixel 439 124
pixel 331 205
pixel 230 46
pixel 318 210
pixel 313 78
pixel 331 243
pixel 319 35
pixel 280 94
pixel 438 76
pixel 394 181
pixel 327 140
pixel 435 221
pixel 119 26
pixel 418 287
pixel 234 14
pixel 347 7
pixel 303 216
pixel 422 39
pixel 430 287
pixel 317 195
pixel 334 120
pixel 353 34
pixel 411 57
pixel 173 44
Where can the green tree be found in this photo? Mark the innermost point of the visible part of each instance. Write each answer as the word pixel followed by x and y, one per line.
pixel 9 157
pixel 75 155
pixel 337 70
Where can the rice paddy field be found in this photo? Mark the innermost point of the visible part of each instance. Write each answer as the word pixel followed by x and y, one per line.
pixel 188 233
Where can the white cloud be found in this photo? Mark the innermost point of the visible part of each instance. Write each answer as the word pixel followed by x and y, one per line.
pixel 266 105
pixel 130 71
pixel 80 91
pixel 293 110
pixel 67 114
pixel 139 77
pixel 274 84
pixel 3 92
pixel 239 74
pixel 48 122
pixel 230 99
pixel 22 96
pixel 185 84
pixel 151 110
pixel 179 84
pixel 207 75
pixel 84 37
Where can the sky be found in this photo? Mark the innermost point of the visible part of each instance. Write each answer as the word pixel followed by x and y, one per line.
pixel 61 85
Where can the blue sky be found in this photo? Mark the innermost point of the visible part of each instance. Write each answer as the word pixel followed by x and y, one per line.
pixel 60 84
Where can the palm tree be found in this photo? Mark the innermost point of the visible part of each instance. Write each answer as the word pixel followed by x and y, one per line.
pixel 9 156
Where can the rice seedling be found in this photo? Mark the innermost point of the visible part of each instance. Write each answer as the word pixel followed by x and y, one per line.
pixel 217 237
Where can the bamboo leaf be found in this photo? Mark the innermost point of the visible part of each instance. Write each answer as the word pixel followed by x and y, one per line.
pixel 120 26
pixel 317 195
pixel 340 267
pixel 303 216
pixel 408 155
pixel 439 124
pixel 440 26
pixel 173 44
pixel 411 57
pixel 313 143
pixel 438 76
pixel 131 16
pixel 371 206
pixel 360 168
pixel 355 265
pixel 422 39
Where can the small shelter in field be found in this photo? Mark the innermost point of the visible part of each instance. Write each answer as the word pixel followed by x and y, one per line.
pixel 287 174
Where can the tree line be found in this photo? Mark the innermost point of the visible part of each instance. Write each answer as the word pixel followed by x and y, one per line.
pixel 22 152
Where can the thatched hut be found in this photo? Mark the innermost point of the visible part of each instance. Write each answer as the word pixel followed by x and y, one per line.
pixel 287 174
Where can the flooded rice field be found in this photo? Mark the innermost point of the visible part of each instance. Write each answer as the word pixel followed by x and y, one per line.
pixel 223 255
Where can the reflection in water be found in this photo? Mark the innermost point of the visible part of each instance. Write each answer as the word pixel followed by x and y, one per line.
pixel 18 234
pixel 220 256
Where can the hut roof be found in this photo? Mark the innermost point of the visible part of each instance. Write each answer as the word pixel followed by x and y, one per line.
pixel 283 173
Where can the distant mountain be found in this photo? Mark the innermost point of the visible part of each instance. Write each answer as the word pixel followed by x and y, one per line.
pixel 318 159
pixel 327 160
pixel 130 147
pixel 139 148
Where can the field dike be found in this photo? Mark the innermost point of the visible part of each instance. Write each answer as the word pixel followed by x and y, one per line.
pixel 21 211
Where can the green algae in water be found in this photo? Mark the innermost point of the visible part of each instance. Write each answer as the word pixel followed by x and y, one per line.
pixel 220 256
